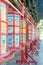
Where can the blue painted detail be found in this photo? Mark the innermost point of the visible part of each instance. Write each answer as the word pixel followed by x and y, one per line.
pixel 3 39
pixel 24 37
pixel 17 16
pixel 16 37
pixel 10 40
pixel 2 4
pixel 10 19
pixel 10 15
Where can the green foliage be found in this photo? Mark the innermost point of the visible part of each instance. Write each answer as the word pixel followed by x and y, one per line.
pixel 33 9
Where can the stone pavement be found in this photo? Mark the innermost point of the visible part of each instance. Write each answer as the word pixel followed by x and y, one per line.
pixel 17 56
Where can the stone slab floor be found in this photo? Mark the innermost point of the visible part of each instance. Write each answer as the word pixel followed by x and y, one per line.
pixel 17 56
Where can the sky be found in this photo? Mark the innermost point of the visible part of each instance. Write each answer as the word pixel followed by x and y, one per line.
pixel 40 7
pixel 40 24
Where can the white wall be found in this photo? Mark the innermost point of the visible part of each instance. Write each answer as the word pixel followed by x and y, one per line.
pixel 40 25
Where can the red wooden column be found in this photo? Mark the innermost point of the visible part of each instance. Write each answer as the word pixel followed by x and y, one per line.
pixel 27 40
pixel 24 24
pixel 23 41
